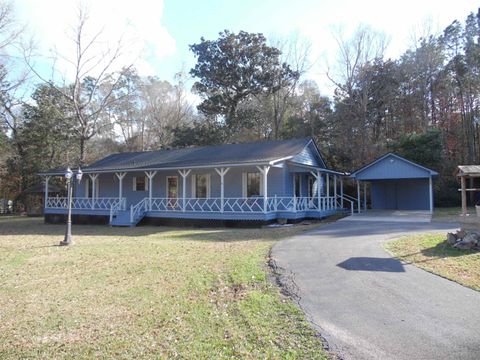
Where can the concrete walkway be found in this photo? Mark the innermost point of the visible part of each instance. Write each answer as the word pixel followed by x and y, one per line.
pixel 391 216
pixel 371 306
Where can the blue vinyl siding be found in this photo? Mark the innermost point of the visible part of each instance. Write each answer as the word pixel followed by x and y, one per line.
pixel 309 156
pixel 392 167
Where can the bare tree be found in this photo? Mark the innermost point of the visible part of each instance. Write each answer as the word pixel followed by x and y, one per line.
pixel 90 86
pixel 365 45
pixel 295 52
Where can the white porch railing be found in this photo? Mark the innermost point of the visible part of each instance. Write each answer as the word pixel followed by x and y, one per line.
pixel 241 204
pixel 86 203
pixel 137 211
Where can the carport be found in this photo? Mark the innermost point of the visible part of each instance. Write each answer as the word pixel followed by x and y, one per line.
pixel 395 184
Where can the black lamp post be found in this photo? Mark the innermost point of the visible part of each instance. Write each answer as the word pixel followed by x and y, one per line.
pixel 68 176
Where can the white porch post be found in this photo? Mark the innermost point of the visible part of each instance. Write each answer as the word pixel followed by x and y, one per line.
pixel 184 174
pixel 120 177
pixel 365 196
pixel 335 190
pixel 430 184
pixel 222 172
pixel 264 172
pixel 328 190
pixel 318 178
pixel 47 179
pixel 358 197
pixel 341 192
pixel 93 177
pixel 150 175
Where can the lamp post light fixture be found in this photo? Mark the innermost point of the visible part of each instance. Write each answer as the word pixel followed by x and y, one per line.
pixel 68 176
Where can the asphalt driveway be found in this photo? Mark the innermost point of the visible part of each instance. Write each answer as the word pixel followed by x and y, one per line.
pixel 369 305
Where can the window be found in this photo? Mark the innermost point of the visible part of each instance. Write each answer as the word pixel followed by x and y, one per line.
pixel 252 184
pixel 201 186
pixel 297 184
pixel 140 183
pixel 89 187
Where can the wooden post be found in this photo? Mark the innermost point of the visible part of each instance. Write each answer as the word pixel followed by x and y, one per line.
pixel 184 174
pixel 430 183
pixel 47 179
pixel 150 175
pixel 264 172
pixel 464 196
pixel 222 172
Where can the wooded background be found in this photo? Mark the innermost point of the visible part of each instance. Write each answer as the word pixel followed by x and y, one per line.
pixel 423 105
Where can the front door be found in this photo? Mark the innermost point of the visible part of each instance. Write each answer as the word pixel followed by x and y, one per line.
pixel 172 192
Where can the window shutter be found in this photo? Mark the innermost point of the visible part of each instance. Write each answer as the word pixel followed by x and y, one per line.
pixel 244 185
pixel 261 184
pixel 134 183
pixel 86 188
pixel 208 185
pixel 147 185
pixel 194 185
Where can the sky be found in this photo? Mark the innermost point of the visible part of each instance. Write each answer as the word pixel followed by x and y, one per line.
pixel 157 33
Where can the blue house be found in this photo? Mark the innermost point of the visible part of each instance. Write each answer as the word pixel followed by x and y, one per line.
pixel 258 181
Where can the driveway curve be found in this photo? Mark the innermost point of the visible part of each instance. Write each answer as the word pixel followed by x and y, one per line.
pixel 369 305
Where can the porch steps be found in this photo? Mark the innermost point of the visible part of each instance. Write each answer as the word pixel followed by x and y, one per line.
pixel 122 218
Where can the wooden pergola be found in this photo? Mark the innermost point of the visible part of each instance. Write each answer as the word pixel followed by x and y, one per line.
pixel 465 172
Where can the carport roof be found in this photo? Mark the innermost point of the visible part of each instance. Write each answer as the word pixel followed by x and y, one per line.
pixel 468 170
pixel 392 166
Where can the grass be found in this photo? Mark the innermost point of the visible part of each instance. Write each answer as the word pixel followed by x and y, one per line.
pixel 147 292
pixel 431 252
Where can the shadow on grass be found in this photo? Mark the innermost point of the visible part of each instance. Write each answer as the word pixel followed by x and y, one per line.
pixel 440 251
pixel 36 226
pixel 443 249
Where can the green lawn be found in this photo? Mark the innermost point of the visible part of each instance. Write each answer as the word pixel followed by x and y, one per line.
pixel 146 292
pixel 432 253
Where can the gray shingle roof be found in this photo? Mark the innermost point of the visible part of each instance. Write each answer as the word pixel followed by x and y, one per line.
pixel 244 153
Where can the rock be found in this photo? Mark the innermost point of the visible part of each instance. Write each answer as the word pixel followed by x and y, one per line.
pixel 451 238
pixel 471 238
pixel 461 234
pixel 463 245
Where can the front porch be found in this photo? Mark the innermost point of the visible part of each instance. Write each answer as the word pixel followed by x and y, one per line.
pixel 243 208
